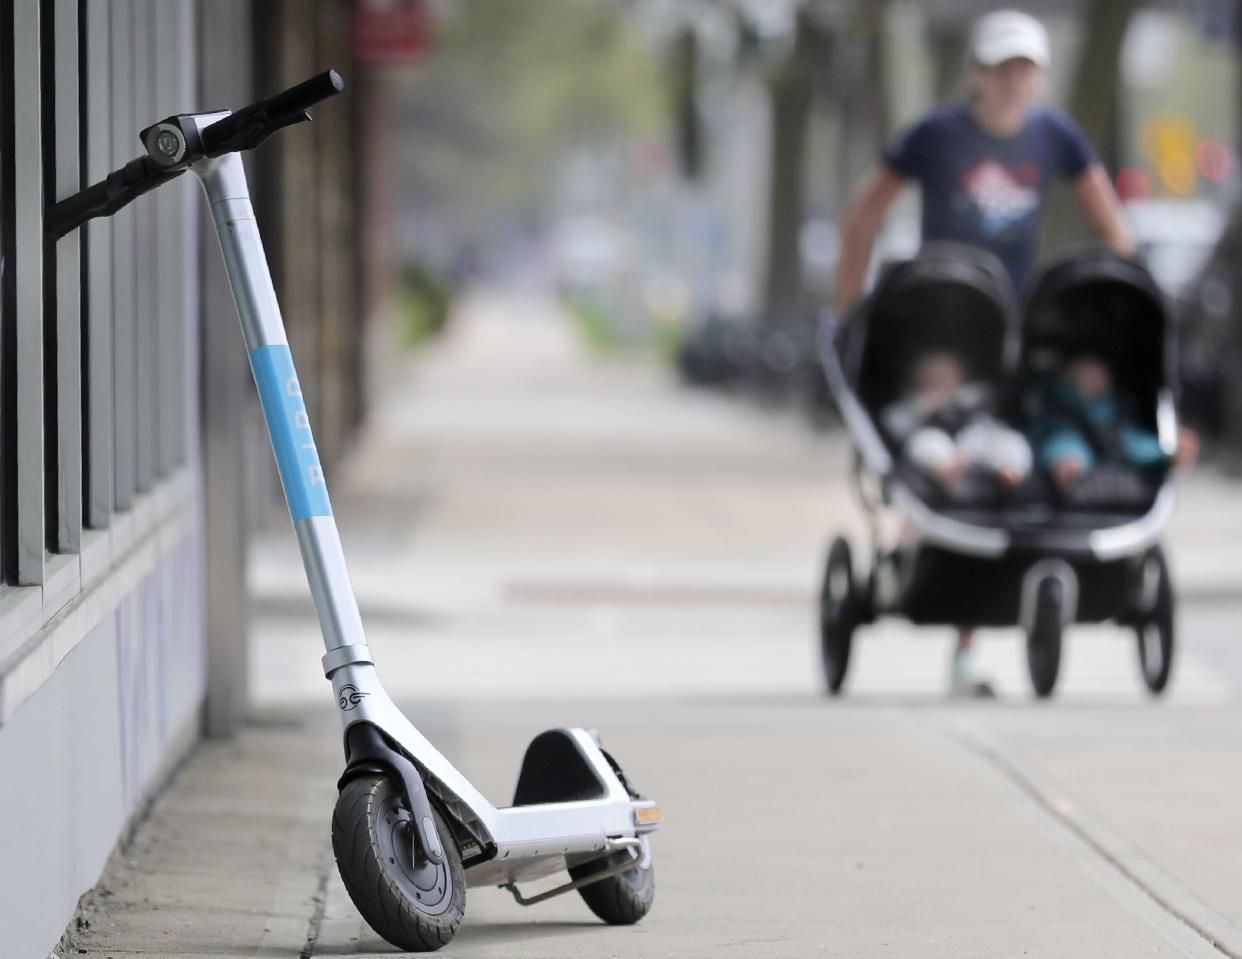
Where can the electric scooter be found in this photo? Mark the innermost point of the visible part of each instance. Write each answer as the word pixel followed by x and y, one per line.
pixel 409 831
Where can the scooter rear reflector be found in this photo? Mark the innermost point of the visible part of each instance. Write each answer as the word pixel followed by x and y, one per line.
pixel 648 816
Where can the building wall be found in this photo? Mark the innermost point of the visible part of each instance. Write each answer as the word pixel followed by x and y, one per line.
pixel 102 659
pixel 91 742
pixel 133 459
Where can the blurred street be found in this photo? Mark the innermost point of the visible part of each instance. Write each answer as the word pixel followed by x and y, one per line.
pixel 541 537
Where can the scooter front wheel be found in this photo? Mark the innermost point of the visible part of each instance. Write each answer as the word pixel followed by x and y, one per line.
pixel 415 906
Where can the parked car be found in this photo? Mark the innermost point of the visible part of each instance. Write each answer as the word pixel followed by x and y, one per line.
pixel 718 352
pixel 1176 239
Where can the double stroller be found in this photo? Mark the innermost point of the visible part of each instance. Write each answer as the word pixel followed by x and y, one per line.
pixel 1032 558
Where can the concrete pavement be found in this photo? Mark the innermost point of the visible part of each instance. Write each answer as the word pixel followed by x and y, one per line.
pixel 540 538
pixel 229 861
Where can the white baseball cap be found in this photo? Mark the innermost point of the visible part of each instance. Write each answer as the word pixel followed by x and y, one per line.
pixel 1009 35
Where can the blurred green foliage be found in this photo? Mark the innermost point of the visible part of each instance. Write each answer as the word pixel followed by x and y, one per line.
pixel 594 322
pixel 423 304
pixel 510 84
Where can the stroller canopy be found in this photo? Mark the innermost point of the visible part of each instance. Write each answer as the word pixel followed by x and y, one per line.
pixel 1100 303
pixel 949 298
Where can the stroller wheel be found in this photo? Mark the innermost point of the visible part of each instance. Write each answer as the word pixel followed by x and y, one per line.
pixel 1153 626
pixel 1043 640
pixel 838 614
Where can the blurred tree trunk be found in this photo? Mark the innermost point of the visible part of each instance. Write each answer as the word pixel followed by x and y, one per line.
pixel 791 91
pixel 1096 100
pixel 1096 103
pixel 687 122
pixel 861 95
pixel 949 43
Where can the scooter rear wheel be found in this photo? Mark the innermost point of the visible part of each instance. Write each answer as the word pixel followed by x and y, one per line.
pixel 620 900
pixel 416 907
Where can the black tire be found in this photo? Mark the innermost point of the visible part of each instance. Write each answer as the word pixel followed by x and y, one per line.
pixel 1154 629
pixel 838 614
pixel 620 900
pixel 1043 641
pixel 415 909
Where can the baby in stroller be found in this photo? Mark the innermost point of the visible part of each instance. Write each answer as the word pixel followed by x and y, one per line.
pixel 1088 437
pixel 946 430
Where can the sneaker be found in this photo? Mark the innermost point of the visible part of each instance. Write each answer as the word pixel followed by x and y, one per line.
pixel 964 679
pixel 887 588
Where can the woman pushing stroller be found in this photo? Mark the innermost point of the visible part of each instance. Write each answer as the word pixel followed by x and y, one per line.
pixel 985 167
pixel 1027 463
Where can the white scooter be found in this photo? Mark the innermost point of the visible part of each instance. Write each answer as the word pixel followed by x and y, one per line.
pixel 409 831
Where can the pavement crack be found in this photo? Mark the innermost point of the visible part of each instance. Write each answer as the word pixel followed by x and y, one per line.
pixel 979 745
pixel 320 900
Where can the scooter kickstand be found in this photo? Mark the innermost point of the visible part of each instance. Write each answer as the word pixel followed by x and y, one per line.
pixel 633 845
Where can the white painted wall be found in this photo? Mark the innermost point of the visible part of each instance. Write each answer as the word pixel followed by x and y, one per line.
pixel 81 754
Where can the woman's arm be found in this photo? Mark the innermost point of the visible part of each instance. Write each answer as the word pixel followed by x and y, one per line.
pixel 859 225
pixel 1099 202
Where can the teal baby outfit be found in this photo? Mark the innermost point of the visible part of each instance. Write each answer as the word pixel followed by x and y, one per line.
pixel 1094 432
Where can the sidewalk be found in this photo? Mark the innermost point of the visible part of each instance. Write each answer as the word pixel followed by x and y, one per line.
pixel 538 539
pixel 785 837
pixel 229 862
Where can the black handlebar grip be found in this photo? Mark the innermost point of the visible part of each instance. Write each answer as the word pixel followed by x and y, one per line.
pixel 104 198
pixel 305 95
pixel 75 210
pixel 242 130
pixel 246 128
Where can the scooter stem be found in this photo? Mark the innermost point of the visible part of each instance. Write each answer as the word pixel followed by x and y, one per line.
pixel 306 491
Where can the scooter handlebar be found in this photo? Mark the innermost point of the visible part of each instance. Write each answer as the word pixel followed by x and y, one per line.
pixel 249 126
pixel 104 198
pixel 306 94
pixel 244 129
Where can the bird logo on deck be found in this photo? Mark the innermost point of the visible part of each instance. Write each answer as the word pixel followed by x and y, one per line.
pixel 350 697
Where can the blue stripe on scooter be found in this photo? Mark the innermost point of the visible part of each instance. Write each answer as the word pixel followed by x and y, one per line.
pixel 289 427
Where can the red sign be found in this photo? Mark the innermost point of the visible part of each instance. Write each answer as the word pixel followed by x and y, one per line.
pixel 391 32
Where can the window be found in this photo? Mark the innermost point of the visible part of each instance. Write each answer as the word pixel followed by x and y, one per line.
pixel 94 328
pixel 95 68
pixel 8 395
pixel 62 445
pixel 22 357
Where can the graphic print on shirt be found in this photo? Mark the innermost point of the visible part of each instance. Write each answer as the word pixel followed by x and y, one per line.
pixel 1000 198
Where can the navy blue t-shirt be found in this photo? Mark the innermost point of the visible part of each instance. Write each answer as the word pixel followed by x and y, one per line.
pixel 984 190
